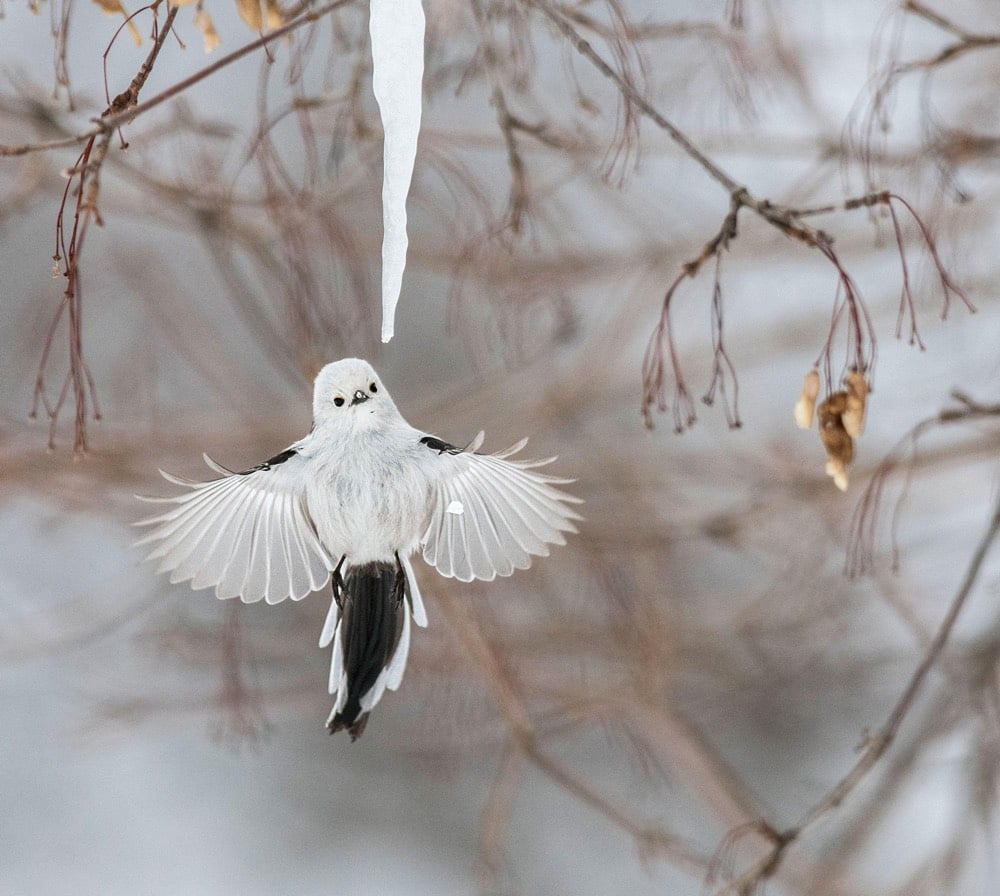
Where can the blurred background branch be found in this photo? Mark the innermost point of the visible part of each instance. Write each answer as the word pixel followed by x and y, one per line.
pixel 669 702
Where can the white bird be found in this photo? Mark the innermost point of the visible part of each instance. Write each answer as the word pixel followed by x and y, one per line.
pixel 352 500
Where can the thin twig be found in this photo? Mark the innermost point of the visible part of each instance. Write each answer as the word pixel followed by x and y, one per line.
pixel 651 839
pixel 86 173
pixel 121 117
pixel 878 743
pixel 584 48
pixel 861 547
pixel 860 336
pixel 508 123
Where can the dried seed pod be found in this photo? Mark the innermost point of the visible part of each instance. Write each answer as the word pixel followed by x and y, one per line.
pixel 250 12
pixel 831 410
pixel 857 400
pixel 837 470
pixel 114 7
pixel 838 443
pixel 835 437
pixel 840 480
pixel 203 22
pixel 805 407
pixel 273 14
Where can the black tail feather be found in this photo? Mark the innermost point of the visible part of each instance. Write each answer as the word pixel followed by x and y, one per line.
pixel 371 599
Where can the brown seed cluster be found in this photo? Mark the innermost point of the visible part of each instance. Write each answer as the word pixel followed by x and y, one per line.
pixel 841 420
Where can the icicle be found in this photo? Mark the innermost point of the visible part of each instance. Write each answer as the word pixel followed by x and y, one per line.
pixel 397 34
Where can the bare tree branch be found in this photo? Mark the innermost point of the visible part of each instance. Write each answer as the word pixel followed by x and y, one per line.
pixel 877 744
pixel 115 118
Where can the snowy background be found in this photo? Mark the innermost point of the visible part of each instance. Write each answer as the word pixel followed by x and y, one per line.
pixel 158 742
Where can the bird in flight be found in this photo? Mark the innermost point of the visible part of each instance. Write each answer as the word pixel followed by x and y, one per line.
pixel 351 502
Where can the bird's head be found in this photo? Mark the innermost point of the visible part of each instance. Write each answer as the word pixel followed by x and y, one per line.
pixel 350 393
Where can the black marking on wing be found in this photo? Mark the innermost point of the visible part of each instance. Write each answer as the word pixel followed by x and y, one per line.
pixel 275 461
pixel 371 598
pixel 440 446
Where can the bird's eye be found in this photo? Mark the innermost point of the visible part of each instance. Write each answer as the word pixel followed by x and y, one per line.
pixel 338 401
pixel 374 388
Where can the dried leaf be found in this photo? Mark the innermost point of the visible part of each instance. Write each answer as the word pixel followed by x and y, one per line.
pixel 203 22
pixel 810 386
pixel 274 18
pixel 251 14
pixel 115 8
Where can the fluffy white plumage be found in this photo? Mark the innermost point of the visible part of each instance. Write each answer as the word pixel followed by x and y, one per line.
pixel 361 492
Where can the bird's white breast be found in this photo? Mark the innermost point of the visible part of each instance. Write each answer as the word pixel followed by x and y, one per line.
pixel 369 496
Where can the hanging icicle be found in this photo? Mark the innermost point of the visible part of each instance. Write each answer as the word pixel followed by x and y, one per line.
pixel 397 35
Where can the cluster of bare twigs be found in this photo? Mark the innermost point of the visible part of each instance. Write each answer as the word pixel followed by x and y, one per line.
pixel 948 145
pixel 849 309
pixel 904 455
pixel 82 194
pixel 661 368
pixel 83 188
pixel 875 744
pixel 848 303
pixel 848 306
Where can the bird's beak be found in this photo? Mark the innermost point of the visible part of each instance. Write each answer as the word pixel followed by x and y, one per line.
pixel 359 397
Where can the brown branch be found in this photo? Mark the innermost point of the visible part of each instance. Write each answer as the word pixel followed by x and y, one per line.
pixel 264 40
pixel 861 547
pixel 779 216
pixel 860 341
pixel 649 31
pixel 21 149
pixel 119 117
pixel 499 807
pixel 877 744
pixel 583 47
pixel 788 220
pixel 700 765
pixel 873 116
pixel 508 123
pixel 723 369
pixel 86 173
pixel 653 368
pixel 849 309
pixel 965 41
pixel 651 839
pixel 935 18
pixel 848 304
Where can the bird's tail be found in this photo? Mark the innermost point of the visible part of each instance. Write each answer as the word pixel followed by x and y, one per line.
pixel 369 624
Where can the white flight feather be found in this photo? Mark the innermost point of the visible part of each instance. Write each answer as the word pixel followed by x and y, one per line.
pixel 509 514
pixel 330 626
pixel 416 599
pixel 337 677
pixel 247 534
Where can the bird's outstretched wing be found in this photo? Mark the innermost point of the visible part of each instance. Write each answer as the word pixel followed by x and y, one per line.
pixel 490 514
pixel 248 534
